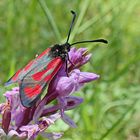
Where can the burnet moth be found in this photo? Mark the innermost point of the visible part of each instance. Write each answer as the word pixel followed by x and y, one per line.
pixel 38 73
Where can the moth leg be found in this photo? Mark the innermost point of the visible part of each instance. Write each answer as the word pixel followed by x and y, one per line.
pixel 66 70
pixel 70 61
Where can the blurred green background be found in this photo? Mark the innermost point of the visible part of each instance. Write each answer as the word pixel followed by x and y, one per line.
pixel 111 108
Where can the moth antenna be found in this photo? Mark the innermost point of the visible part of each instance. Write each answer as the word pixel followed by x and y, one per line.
pixel 71 25
pixel 90 41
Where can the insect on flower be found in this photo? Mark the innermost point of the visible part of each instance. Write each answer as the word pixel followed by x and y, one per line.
pixel 38 73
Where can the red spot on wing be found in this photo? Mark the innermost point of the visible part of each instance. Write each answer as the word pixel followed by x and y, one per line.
pixel 44 53
pixel 54 65
pixel 48 77
pixel 28 65
pixel 15 77
pixel 38 76
pixel 32 91
pixel 56 61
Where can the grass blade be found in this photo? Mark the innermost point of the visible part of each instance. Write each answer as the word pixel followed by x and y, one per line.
pixel 50 19
pixel 131 108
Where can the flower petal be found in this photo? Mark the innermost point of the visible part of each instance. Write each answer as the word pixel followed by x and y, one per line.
pixel 38 111
pixel 86 59
pixel 65 86
pixel 32 130
pixel 54 117
pixel 86 77
pixel 13 133
pixel 2 133
pixel 72 102
pixel 13 98
pixel 2 105
pixel 68 120
pixel 46 122
pixel 79 56
pixel 52 136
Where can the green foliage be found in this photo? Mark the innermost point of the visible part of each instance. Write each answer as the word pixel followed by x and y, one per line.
pixel 111 106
